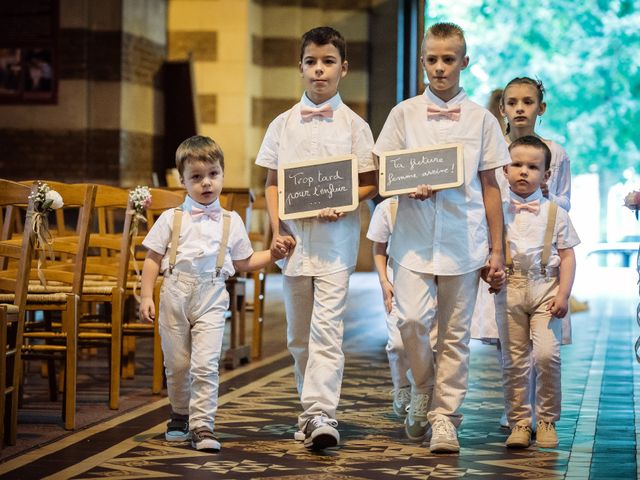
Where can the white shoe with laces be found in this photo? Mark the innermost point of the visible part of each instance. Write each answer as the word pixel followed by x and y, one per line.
pixel 401 401
pixel 444 437
pixel 321 433
pixel 416 423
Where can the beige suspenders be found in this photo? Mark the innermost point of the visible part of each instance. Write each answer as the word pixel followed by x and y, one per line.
pixel 175 234
pixel 546 249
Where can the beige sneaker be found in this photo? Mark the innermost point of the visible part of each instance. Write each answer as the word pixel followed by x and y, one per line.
pixel 520 437
pixel 546 435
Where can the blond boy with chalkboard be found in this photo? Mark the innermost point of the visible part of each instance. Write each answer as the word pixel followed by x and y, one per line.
pixel 322 250
pixel 442 240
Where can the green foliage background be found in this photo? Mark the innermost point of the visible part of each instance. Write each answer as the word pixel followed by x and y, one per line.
pixel 587 53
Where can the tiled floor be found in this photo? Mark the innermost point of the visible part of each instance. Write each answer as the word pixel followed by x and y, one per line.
pixel 598 431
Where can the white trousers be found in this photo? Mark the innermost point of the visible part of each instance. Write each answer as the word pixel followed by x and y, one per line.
pixel 191 322
pixel 530 334
pixel 423 299
pixel 315 308
pixel 398 362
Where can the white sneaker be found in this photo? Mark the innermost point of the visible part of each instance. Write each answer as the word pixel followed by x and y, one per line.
pixel 416 423
pixel 299 436
pixel 203 439
pixel 504 423
pixel 321 433
pixel 401 401
pixel 444 437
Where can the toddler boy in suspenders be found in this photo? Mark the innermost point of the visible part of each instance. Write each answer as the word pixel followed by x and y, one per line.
pixel 197 246
pixel 539 240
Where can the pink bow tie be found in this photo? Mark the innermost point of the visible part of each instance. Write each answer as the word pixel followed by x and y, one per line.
pixel 199 213
pixel 453 113
pixel 516 206
pixel 307 113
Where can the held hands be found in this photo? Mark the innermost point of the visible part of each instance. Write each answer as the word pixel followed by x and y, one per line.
pixel 387 294
pixel 329 215
pixel 282 246
pixel 493 273
pixel 147 310
pixel 559 306
pixel 423 192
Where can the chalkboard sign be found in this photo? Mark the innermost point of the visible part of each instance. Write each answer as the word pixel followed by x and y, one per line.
pixel 307 187
pixel 440 166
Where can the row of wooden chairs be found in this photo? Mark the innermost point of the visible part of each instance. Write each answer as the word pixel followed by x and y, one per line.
pixel 92 273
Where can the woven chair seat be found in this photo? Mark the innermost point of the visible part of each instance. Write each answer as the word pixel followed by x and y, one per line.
pixel 12 309
pixel 40 298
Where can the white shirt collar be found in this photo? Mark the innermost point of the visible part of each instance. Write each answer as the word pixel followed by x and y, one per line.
pixel 334 101
pixel 190 202
pixel 431 97
pixel 537 195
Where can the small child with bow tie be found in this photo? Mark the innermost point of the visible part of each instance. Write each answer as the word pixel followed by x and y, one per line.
pixel 323 249
pixel 197 246
pixel 539 241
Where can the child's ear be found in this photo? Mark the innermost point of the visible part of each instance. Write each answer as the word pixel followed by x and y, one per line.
pixel 300 68
pixel 465 62
pixel 182 181
pixel 547 174
pixel 505 170
pixel 344 69
pixel 542 109
pixel 501 108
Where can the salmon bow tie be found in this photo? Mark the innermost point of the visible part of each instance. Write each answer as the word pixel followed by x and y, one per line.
pixel 517 207
pixel 453 113
pixel 307 113
pixel 200 213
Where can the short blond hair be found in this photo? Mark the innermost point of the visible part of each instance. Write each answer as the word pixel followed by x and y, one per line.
pixel 200 148
pixel 445 30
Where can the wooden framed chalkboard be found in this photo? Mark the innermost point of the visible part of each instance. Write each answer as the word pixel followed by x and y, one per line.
pixel 440 166
pixel 307 187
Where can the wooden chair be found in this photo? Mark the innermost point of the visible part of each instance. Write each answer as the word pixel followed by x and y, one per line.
pixel 51 340
pixel 106 276
pixel 12 315
pixel 161 200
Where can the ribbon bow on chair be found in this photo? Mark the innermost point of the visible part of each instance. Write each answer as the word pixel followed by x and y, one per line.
pixel 212 213
pixel 453 113
pixel 516 206
pixel 307 113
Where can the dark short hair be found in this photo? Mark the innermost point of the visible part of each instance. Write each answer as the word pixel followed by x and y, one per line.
pixel 324 36
pixel 535 142
pixel 200 148
pixel 445 30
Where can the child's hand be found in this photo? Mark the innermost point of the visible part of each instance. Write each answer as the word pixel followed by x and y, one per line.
pixel 423 192
pixel 147 310
pixel 282 246
pixel 497 281
pixel 559 306
pixel 329 215
pixel 387 294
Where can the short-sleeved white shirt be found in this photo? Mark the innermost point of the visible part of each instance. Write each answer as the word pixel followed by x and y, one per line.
pixel 447 234
pixel 525 231
pixel 199 241
pixel 321 248
pixel 559 183
pixel 381 224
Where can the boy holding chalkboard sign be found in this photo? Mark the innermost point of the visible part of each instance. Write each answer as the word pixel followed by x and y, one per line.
pixel 322 250
pixel 441 241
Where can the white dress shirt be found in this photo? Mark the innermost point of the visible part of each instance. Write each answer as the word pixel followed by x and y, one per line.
pixel 525 231
pixel 321 247
pixel 446 234
pixel 381 224
pixel 199 241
